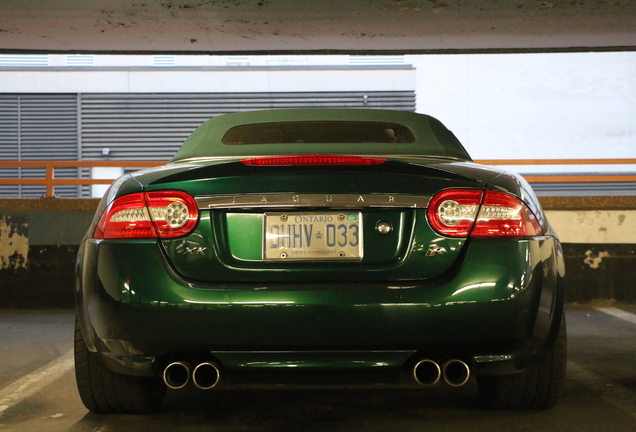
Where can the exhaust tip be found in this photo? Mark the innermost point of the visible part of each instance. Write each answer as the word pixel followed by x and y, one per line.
pixel 427 373
pixel 176 375
pixel 206 375
pixel 456 373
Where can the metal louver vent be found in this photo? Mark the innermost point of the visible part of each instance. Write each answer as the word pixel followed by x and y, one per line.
pixel 163 60
pixel 24 60
pixel 9 141
pixel 80 60
pixel 38 127
pixel 143 127
pixel 153 126
pixel 376 60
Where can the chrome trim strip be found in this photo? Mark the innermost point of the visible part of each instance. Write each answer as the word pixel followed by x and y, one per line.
pixel 313 200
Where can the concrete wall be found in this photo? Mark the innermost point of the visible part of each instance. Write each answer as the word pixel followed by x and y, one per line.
pixel 39 239
pixel 599 242
pixel 38 244
pixel 325 26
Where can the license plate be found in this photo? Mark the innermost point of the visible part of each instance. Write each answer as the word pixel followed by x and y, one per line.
pixel 315 236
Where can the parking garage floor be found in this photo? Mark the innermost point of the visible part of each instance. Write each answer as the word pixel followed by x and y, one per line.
pixel 38 393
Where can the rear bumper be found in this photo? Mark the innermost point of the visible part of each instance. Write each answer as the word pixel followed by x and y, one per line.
pixel 501 305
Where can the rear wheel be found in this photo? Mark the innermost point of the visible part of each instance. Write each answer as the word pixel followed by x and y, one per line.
pixel 104 391
pixel 538 387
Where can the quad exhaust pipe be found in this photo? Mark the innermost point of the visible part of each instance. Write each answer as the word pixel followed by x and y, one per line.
pixel 455 372
pixel 429 373
pixel 178 374
pixel 207 375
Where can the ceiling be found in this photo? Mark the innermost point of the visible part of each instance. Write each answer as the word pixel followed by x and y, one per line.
pixel 315 26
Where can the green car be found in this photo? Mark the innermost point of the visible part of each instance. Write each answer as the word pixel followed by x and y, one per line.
pixel 329 247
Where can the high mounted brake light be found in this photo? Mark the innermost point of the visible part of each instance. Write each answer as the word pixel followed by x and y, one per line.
pixel 474 213
pixel 165 214
pixel 308 160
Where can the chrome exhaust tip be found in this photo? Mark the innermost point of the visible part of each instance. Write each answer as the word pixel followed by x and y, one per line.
pixel 427 373
pixel 177 375
pixel 455 372
pixel 206 375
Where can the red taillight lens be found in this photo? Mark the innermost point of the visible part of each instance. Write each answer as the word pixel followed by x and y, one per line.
pixel 452 212
pixel 462 212
pixel 165 214
pixel 504 215
pixel 126 217
pixel 174 214
pixel 308 160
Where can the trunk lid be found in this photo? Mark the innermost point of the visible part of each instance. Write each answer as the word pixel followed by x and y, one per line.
pixel 314 223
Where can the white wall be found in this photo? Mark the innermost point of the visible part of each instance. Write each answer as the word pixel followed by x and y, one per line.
pixel 501 106
pixel 533 106
pixel 85 80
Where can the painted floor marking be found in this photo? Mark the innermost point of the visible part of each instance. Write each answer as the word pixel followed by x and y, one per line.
pixel 618 313
pixel 613 393
pixel 35 381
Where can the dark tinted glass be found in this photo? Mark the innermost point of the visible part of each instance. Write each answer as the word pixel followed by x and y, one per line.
pixel 324 132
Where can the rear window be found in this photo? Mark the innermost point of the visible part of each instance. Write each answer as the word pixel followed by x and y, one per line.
pixel 318 132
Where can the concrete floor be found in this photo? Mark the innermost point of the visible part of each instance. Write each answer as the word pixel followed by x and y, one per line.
pixel 37 390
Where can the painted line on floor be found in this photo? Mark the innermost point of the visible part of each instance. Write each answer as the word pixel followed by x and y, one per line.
pixel 35 381
pixel 611 392
pixel 618 313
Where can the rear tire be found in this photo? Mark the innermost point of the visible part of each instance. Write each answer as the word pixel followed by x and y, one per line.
pixel 538 387
pixel 104 391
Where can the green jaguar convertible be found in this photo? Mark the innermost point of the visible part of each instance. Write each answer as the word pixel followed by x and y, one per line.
pixel 328 247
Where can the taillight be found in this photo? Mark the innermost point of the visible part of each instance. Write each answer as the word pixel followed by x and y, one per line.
pixel 502 214
pixel 165 214
pixel 306 160
pixel 464 212
pixel 452 212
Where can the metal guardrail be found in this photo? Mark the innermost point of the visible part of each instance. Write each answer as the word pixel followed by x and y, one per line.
pixel 50 181
pixel 568 178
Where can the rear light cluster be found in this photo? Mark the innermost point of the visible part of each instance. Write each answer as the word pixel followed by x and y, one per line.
pixel 308 160
pixel 452 212
pixel 165 214
pixel 476 213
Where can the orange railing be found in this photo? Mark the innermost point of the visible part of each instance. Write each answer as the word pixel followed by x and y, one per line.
pixel 50 181
pixel 568 178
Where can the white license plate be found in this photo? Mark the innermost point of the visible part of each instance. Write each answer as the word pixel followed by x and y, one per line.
pixel 315 236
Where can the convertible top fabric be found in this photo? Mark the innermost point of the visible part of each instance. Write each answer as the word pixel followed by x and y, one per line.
pixel 415 134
